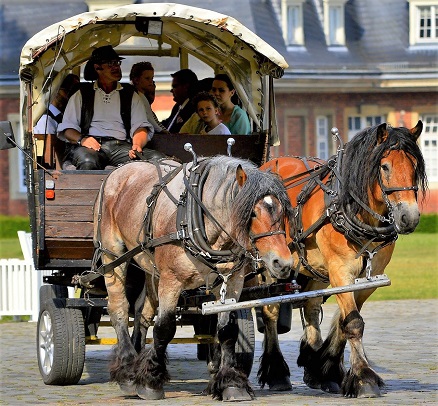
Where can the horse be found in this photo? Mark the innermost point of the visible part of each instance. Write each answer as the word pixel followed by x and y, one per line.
pixel 348 213
pixel 186 225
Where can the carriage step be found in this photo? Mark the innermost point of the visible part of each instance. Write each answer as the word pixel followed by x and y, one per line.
pixel 359 284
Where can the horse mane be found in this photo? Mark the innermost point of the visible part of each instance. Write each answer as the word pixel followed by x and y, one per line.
pixel 361 162
pixel 258 185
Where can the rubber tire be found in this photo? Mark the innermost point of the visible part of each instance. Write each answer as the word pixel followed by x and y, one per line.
pixel 245 345
pixel 52 292
pixel 60 343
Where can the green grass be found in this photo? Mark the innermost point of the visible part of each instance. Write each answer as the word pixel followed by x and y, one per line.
pixel 10 248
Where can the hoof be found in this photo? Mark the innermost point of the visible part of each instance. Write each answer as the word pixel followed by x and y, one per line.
pixel 330 387
pixel 281 385
pixel 233 394
pixel 128 388
pixel 150 394
pixel 368 391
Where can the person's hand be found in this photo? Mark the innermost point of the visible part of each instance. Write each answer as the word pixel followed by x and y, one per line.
pixel 90 142
pixel 135 148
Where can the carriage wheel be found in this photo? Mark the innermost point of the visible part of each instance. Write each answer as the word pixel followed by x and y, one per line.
pixel 245 345
pixel 60 343
pixel 52 292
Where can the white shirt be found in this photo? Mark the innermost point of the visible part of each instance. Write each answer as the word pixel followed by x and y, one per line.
pixel 221 128
pixel 152 118
pixel 106 121
pixel 47 124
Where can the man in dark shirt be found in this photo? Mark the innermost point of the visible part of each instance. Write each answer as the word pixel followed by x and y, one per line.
pixel 184 87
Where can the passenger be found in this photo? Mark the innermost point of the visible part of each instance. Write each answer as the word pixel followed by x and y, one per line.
pixel 207 108
pixel 232 115
pixel 184 87
pixel 194 124
pixel 47 126
pixel 142 78
pixel 105 119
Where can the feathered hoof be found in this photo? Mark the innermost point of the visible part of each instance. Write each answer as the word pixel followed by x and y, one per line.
pixel 233 394
pixel 368 391
pixel 128 388
pixel 330 387
pixel 150 394
pixel 282 385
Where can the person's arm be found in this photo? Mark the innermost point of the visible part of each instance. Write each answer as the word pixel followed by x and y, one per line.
pixel 139 141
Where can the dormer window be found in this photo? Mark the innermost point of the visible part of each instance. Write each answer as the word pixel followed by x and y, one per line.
pixel 334 22
pixel 423 22
pixel 292 21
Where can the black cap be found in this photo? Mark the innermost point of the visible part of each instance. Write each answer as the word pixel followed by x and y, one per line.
pixel 100 55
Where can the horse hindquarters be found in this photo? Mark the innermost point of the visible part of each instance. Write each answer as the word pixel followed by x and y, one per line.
pixel 228 382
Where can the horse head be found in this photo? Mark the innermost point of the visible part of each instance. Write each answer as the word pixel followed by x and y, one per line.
pixel 261 210
pixel 401 169
pixel 387 168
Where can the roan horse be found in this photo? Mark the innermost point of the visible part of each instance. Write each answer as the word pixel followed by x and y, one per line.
pixel 348 213
pixel 189 225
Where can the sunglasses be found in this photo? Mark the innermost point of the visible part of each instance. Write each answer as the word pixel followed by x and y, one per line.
pixel 112 63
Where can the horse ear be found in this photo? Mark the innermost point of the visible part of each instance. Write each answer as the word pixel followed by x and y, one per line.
pixel 241 176
pixel 382 133
pixel 416 131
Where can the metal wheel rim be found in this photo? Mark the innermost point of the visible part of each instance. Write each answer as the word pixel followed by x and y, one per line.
pixel 45 342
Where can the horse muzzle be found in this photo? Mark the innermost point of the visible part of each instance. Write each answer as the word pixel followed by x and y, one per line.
pixel 406 218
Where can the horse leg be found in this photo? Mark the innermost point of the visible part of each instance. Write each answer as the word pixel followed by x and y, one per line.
pixel 323 367
pixel 145 307
pixel 151 370
pixel 273 369
pixel 124 354
pixel 228 383
pixel 361 380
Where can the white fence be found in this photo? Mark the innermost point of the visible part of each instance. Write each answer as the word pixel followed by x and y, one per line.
pixel 20 287
pixel 20 283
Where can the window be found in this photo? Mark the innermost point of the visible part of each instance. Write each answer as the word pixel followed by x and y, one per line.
pixel 322 145
pixel 334 22
pixel 292 12
pixel 429 146
pixel 17 162
pixel 358 123
pixel 423 22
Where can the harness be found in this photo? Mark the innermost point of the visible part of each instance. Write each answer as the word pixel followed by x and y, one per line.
pixel 355 230
pixel 87 109
pixel 190 229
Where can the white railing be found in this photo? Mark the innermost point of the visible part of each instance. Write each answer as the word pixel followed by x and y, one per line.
pixel 20 283
pixel 20 288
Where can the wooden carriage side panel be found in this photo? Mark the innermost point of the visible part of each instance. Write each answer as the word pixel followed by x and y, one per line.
pixel 67 223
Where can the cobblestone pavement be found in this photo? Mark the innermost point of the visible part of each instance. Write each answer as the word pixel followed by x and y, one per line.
pixel 400 340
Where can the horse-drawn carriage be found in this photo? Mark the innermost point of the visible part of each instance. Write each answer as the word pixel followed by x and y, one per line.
pixel 225 244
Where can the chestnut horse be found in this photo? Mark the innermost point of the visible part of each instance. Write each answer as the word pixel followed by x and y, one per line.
pixel 186 226
pixel 348 213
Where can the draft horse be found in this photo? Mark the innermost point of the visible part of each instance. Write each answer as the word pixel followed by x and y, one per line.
pixel 204 223
pixel 348 213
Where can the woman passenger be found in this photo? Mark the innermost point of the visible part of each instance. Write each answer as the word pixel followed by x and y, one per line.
pixel 232 115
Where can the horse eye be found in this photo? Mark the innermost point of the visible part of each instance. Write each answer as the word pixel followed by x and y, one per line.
pixel 385 167
pixel 253 214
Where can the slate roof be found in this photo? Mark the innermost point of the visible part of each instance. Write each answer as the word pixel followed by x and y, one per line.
pixel 377 33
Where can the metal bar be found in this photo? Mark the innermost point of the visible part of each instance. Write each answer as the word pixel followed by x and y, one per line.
pixel 374 282
pixel 196 339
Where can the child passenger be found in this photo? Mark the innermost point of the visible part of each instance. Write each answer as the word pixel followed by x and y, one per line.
pixel 207 108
